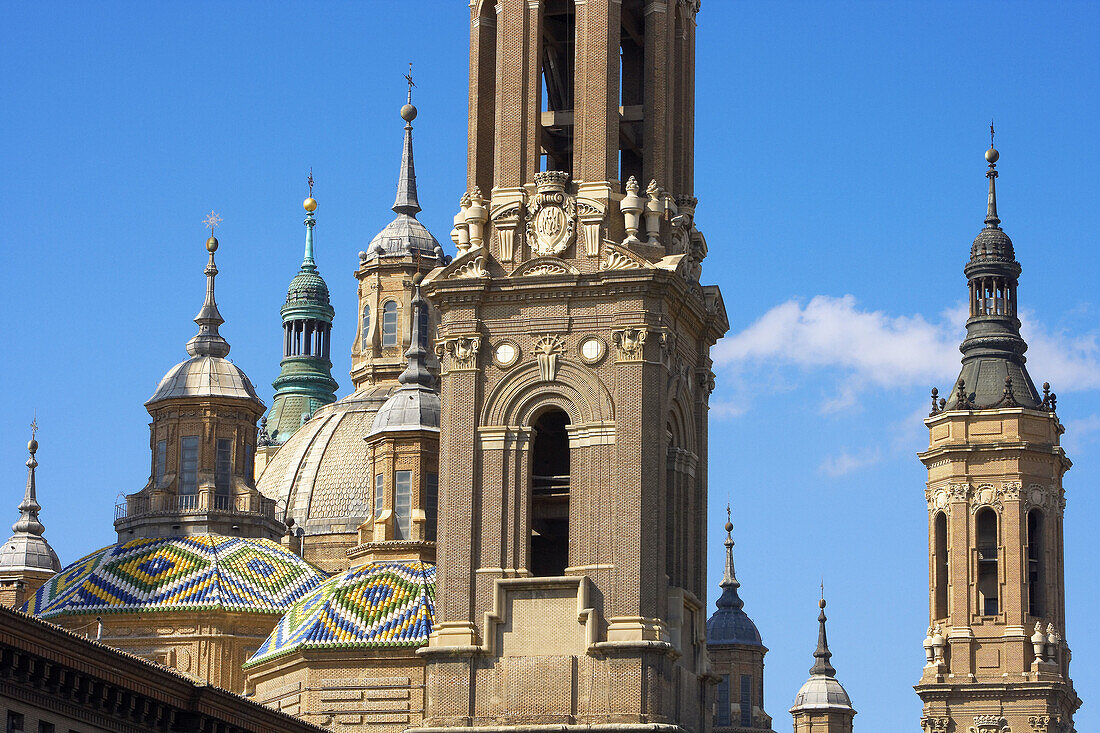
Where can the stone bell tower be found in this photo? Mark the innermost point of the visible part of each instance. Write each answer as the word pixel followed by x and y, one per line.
pixel 997 658
pixel 574 343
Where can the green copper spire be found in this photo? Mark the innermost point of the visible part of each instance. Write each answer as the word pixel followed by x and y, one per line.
pixel 305 382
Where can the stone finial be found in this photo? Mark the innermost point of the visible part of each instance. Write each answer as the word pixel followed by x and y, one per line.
pixel 822 655
pixel 29 507
pixel 935 397
pixel 208 342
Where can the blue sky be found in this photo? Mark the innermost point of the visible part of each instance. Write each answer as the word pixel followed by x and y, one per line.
pixel 840 178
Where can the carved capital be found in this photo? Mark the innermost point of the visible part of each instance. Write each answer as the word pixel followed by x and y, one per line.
pixel 460 353
pixel 959 492
pixel 629 344
pixel 935 724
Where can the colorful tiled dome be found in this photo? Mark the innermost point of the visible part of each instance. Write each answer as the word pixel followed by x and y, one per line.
pixel 378 605
pixel 200 572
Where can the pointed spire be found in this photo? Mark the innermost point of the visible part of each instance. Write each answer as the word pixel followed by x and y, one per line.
pixel 991 155
pixel 822 655
pixel 310 205
pixel 29 507
pixel 406 202
pixel 729 584
pixel 416 372
pixel 208 342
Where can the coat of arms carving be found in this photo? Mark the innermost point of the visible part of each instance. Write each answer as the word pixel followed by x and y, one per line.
pixel 552 219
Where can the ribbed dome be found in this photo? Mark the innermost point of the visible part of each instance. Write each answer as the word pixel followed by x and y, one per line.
pixel 198 572
pixel 307 288
pixel 731 625
pixel 322 473
pixel 25 551
pixel 992 242
pixel 402 237
pixel 205 376
pixel 378 605
pixel 821 692
pixel 414 408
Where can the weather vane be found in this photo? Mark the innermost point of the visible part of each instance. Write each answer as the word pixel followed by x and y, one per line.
pixel 212 220
pixel 309 180
pixel 409 79
pixel 991 132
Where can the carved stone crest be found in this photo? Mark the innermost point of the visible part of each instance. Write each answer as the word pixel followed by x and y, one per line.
pixel 548 351
pixel 990 724
pixel 552 223
pixel 461 352
pixel 629 344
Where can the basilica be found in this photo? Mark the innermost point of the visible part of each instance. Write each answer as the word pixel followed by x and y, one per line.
pixel 503 525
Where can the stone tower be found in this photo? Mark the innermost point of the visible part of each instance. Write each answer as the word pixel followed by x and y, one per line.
pixel 822 705
pixel 26 559
pixel 737 657
pixel 996 653
pixel 305 380
pixel 203 441
pixel 574 341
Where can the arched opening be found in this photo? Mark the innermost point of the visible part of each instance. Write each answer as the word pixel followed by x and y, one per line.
pixel 423 325
pixel 940 567
pixel 1035 563
pixel 672 535
pixel 559 33
pixel 987 562
pixel 483 117
pixel 389 323
pixel 631 90
pixel 550 495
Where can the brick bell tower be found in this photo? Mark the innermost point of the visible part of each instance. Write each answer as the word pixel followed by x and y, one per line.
pixel 574 345
pixel 997 658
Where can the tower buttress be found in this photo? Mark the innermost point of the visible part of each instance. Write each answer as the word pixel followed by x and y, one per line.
pixel 995 504
pixel 574 345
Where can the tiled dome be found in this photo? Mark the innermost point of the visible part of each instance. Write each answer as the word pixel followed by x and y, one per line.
pixel 200 572
pixel 382 604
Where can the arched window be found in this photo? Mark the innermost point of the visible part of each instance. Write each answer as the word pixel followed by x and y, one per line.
pixel 424 323
pixel 364 343
pixel 389 323
pixel 988 583
pixel 1035 563
pixel 631 89
pixel 550 495
pixel 940 567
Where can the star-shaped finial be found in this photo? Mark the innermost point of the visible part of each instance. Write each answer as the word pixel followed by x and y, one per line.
pixel 212 220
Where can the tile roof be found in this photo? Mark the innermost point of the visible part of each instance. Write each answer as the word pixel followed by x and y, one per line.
pixel 383 604
pixel 199 572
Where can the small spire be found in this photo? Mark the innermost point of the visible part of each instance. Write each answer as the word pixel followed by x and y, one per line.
pixel 729 584
pixel 310 205
pixel 406 202
pixel 416 372
pixel 208 342
pixel 822 655
pixel 991 156
pixel 29 507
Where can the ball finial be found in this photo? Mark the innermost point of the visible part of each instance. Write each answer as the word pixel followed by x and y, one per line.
pixel 310 204
pixel 408 112
pixel 729 527
pixel 32 446
pixel 821 604
pixel 418 278
pixel 212 245
pixel 992 155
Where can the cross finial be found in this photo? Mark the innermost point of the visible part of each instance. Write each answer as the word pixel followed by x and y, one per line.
pixel 991 132
pixel 34 426
pixel 309 180
pixel 212 220
pixel 409 79
pixel 729 517
pixel 823 588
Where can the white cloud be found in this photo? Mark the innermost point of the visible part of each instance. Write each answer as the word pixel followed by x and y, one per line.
pixel 845 462
pixel 861 348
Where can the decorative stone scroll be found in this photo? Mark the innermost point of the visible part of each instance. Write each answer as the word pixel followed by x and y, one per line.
pixel 472 269
pixel 552 219
pixel 591 214
pixel 629 344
